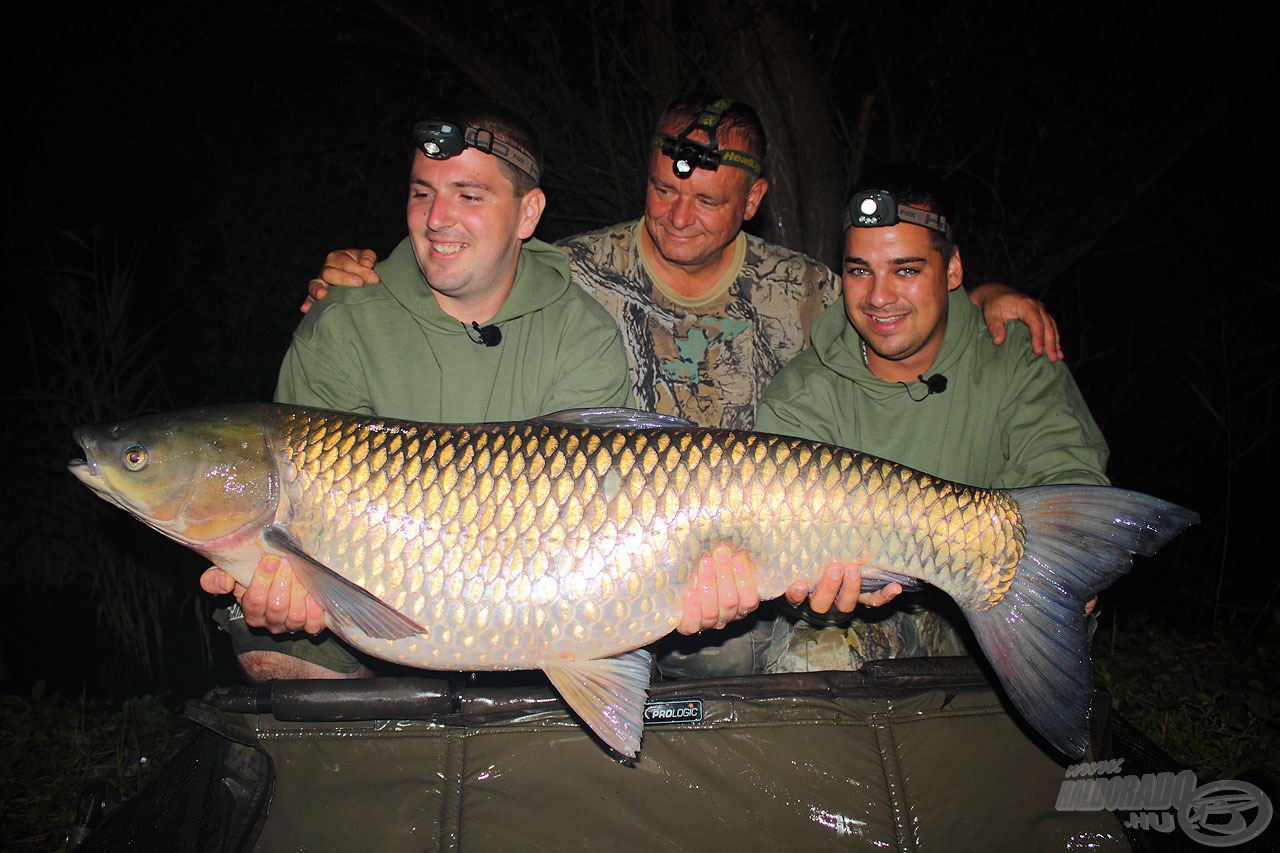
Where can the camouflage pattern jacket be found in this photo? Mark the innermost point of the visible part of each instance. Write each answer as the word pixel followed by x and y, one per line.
pixel 707 360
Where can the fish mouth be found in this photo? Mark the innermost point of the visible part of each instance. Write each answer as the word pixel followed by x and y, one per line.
pixel 86 470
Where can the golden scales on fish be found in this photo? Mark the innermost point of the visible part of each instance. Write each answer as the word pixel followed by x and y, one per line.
pixel 564 544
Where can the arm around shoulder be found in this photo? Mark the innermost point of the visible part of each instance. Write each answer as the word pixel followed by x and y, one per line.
pixel 1001 304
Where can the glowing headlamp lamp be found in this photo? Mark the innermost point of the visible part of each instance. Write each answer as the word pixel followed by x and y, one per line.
pixel 688 154
pixel 878 208
pixel 441 140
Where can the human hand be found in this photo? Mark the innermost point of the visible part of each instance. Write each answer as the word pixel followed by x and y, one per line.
pixel 342 268
pixel 1000 303
pixel 273 600
pixel 841 585
pixel 725 591
pixel 217 582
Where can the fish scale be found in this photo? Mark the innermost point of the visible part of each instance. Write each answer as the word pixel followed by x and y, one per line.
pixel 566 544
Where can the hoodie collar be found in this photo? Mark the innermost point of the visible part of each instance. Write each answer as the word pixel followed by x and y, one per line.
pixel 542 277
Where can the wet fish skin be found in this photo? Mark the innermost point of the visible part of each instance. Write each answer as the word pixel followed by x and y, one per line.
pixel 562 546
pixel 531 527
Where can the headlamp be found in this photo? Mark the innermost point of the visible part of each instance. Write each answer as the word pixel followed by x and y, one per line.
pixel 878 208
pixel 441 140
pixel 688 154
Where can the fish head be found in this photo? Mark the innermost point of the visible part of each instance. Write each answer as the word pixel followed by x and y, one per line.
pixel 204 478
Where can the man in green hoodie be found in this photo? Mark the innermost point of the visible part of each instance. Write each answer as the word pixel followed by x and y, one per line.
pixel 475 321
pixel 903 367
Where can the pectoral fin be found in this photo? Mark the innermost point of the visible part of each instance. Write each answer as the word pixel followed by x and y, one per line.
pixel 344 601
pixel 608 694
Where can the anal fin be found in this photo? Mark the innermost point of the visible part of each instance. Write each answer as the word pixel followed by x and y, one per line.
pixel 608 694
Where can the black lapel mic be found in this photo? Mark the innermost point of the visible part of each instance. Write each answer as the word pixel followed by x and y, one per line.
pixel 935 384
pixel 491 336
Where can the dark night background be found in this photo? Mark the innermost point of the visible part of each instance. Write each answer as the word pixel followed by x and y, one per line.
pixel 179 173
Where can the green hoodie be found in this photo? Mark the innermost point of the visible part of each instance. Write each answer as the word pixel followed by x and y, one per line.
pixel 392 351
pixel 1007 418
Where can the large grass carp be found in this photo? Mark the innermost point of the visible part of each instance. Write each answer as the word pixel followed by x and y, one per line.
pixel 564 544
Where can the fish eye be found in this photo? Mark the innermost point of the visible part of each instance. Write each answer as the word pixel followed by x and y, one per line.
pixel 135 457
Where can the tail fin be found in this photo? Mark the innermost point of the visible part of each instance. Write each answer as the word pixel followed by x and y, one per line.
pixel 1079 540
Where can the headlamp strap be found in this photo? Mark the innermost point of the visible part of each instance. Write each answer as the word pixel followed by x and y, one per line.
pixel 879 208
pixel 925 218
pixel 441 140
pixel 704 155
pixel 484 140
pixel 709 120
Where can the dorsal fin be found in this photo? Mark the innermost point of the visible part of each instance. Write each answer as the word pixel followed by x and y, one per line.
pixel 614 417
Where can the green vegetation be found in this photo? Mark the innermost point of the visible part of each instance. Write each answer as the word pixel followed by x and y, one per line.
pixel 94 359
pixel 1211 699
pixel 52 746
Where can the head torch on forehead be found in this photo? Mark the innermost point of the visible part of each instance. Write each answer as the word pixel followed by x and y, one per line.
pixel 878 208
pixel 441 140
pixel 688 154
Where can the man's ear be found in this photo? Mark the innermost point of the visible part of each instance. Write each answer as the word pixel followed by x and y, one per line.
pixel 531 207
pixel 755 195
pixel 955 271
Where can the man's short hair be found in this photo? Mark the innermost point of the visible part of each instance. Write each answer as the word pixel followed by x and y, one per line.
pixel 739 118
pixel 917 186
pixel 505 124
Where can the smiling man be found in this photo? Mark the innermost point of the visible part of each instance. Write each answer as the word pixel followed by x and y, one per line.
pixel 896 287
pixel 708 313
pixel 904 368
pixel 475 321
